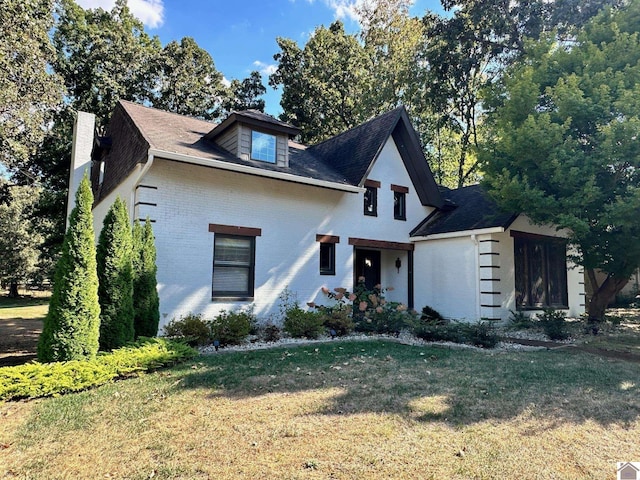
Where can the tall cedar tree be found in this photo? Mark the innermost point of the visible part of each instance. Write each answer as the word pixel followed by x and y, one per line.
pixel 115 273
pixel 146 303
pixel 72 325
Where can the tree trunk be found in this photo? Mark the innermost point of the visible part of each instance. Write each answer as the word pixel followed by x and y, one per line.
pixel 13 290
pixel 602 296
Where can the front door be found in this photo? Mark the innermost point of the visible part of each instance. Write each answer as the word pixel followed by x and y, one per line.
pixel 368 266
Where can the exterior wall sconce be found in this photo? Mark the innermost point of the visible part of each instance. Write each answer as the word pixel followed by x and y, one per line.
pixel 398 264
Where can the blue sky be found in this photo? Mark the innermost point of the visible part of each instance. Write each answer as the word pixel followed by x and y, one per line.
pixel 241 35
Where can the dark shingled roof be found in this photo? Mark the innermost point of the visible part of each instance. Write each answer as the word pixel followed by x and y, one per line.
pixel 344 159
pixel 466 208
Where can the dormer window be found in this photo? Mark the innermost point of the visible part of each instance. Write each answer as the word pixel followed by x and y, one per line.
pixel 263 147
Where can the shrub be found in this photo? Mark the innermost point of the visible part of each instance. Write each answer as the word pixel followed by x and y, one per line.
pixel 191 328
pixel 72 325
pixel 271 333
pixel 554 324
pixel 337 318
pixel 115 278
pixel 431 315
pixel 520 321
pixel 146 303
pixel 44 379
pixel 300 323
pixel 481 334
pixel 231 328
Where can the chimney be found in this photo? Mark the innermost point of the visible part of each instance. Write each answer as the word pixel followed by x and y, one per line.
pixel 83 131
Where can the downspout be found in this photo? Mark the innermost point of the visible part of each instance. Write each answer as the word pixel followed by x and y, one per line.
pixel 143 172
pixel 476 263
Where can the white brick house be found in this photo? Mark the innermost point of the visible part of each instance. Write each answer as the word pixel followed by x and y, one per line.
pixel 240 212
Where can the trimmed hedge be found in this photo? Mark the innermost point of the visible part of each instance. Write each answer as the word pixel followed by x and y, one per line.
pixel 35 380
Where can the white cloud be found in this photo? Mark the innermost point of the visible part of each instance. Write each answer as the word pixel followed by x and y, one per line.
pixel 226 82
pixel 150 12
pixel 344 9
pixel 265 68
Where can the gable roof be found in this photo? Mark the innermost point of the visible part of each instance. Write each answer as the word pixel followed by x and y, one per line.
pixel 256 119
pixel 466 208
pixel 353 152
pixel 342 161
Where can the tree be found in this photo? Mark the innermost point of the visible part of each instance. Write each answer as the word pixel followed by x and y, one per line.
pixel 146 302
pixel 189 81
pixel 104 57
pixel 115 275
pixel 243 95
pixel 324 83
pixel 563 145
pixel 29 92
pixel 18 241
pixel 72 325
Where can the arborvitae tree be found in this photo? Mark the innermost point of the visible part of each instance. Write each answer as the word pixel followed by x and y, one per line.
pixel 72 325
pixel 115 273
pixel 146 303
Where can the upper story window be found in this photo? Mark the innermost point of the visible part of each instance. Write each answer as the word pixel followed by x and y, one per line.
pixel 399 202
pixel 327 253
pixel 263 147
pixel 371 198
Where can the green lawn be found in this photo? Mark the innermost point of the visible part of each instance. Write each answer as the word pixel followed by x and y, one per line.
pixel 370 409
pixel 27 307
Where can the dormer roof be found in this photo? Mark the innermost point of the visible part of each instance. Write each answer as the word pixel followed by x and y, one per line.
pixel 253 118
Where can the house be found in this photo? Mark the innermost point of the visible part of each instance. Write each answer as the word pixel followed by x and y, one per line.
pixel 241 212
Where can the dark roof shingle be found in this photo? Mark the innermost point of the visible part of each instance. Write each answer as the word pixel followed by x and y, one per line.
pixel 466 208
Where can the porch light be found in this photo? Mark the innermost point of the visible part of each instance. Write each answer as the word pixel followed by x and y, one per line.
pixel 398 264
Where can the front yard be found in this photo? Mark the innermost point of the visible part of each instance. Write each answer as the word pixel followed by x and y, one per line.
pixel 369 409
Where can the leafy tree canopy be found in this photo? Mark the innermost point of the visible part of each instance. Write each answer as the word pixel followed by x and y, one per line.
pixel 563 147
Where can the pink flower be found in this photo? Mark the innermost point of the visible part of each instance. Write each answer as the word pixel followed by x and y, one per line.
pixel 339 296
pixel 383 302
pixel 362 306
pixel 374 299
pixel 325 290
pixel 340 290
pixel 401 308
pixel 352 297
pixel 379 309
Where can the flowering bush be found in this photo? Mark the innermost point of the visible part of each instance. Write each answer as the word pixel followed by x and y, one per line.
pixel 368 309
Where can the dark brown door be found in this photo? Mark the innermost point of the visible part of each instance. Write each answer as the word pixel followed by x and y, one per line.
pixel 368 266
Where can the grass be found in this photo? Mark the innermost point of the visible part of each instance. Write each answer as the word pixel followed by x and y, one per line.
pixel 373 409
pixel 28 307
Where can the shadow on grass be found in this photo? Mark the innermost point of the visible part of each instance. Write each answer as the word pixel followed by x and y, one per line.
pixel 430 384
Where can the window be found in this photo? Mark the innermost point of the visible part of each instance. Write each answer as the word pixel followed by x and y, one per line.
pixel 233 266
pixel 327 253
pixel 541 271
pixel 399 206
pixel 263 147
pixel 371 201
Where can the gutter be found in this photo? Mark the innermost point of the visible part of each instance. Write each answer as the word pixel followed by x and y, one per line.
pixel 462 233
pixel 287 177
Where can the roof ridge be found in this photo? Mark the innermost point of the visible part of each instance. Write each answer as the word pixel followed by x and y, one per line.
pixel 167 112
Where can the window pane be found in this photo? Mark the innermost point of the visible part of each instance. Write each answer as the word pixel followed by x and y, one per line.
pixel 232 250
pixel 537 287
pixel 522 297
pixel 557 274
pixel 230 279
pixel 370 201
pixel 327 258
pixel 263 147
pixel 399 212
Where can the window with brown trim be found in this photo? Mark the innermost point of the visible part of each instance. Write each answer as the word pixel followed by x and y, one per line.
pixel 540 272
pixel 371 201
pixel 327 253
pixel 233 266
pixel 399 205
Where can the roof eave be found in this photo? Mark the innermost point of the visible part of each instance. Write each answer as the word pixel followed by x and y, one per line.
pixel 249 170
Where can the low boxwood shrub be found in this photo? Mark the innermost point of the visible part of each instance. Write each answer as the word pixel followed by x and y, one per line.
pixel 301 323
pixel 231 328
pixel 191 329
pixel 337 319
pixel 480 334
pixel 554 324
pixel 34 380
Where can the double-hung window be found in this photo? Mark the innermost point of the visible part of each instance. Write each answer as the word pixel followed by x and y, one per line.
pixel 399 202
pixel 371 197
pixel 540 271
pixel 234 260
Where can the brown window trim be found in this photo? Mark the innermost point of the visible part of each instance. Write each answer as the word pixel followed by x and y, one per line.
pixel 235 230
pixel 364 242
pixel 372 183
pixel 327 238
pixel 399 188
